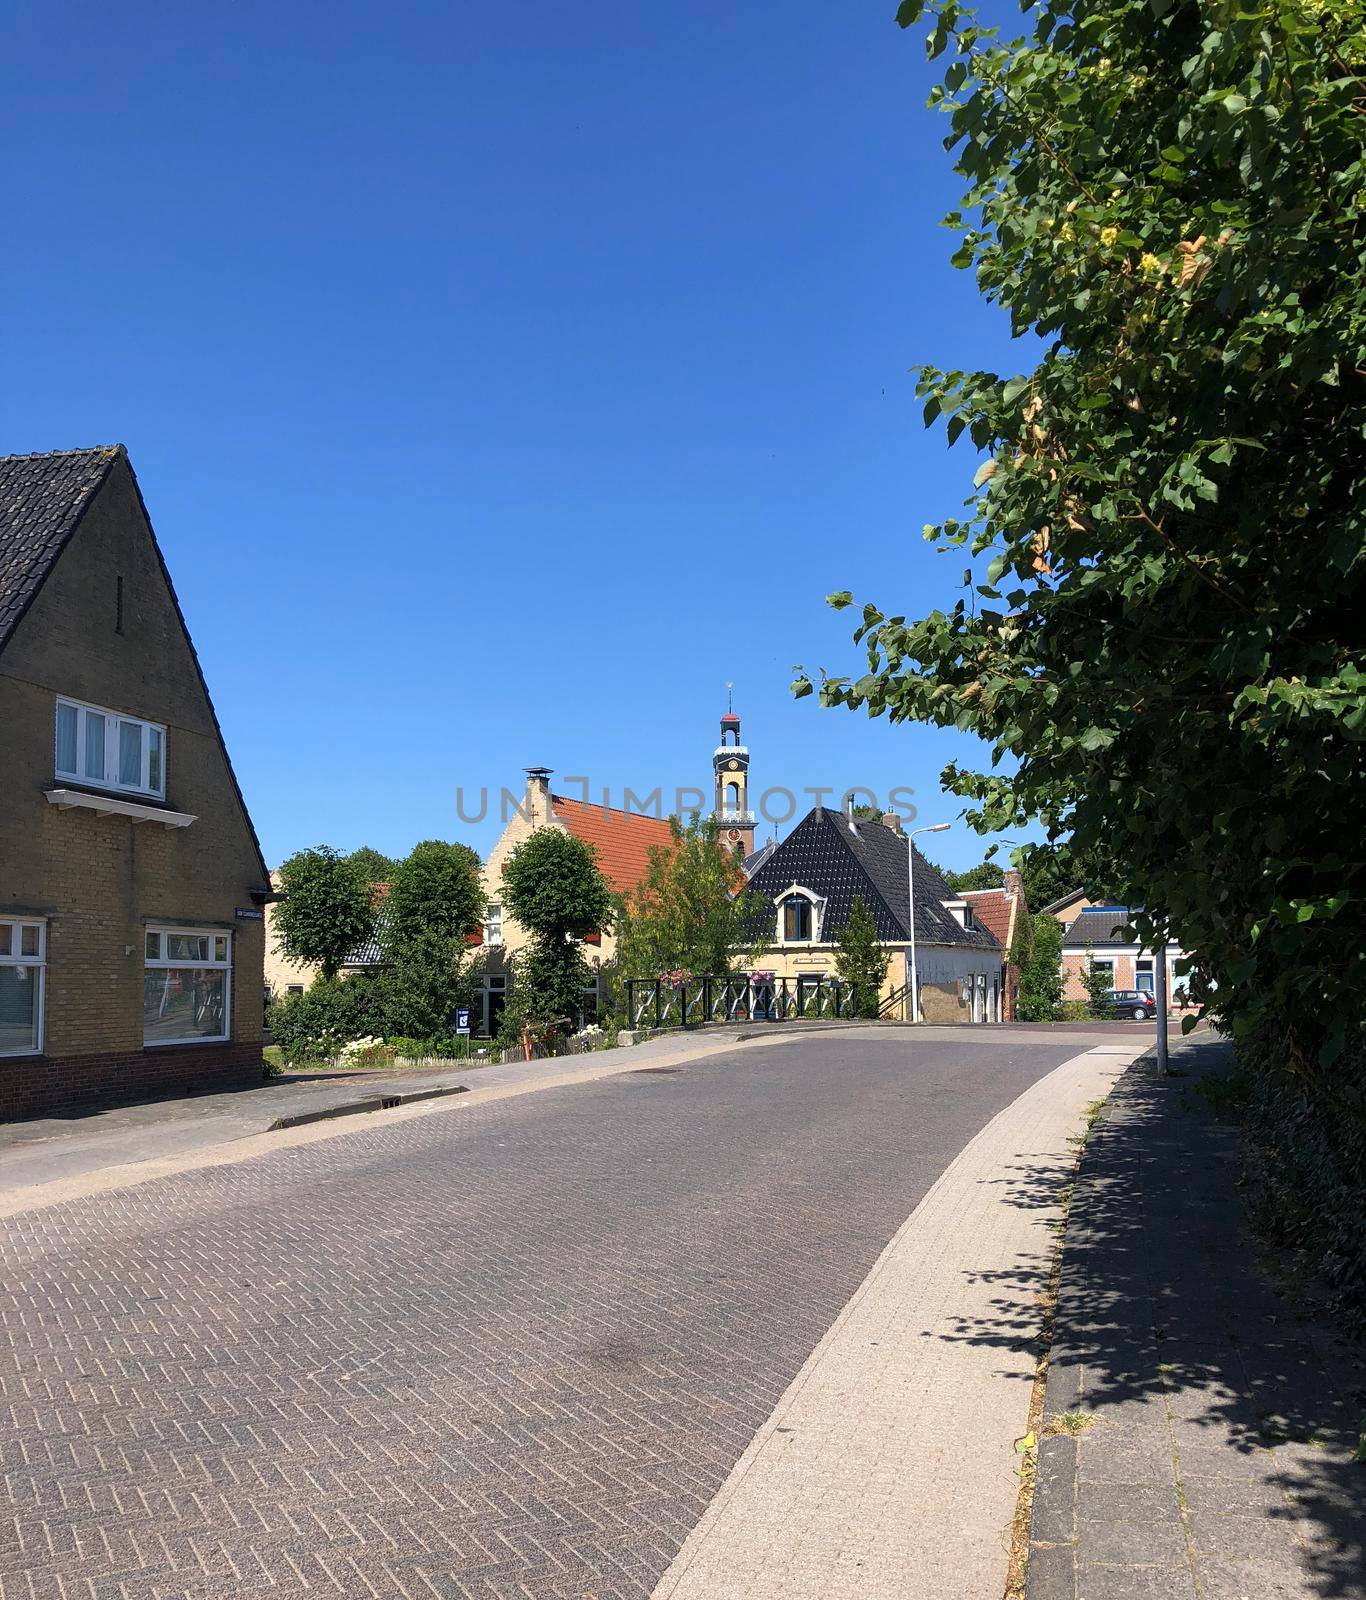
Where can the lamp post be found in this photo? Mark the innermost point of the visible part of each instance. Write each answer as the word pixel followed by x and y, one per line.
pixel 938 827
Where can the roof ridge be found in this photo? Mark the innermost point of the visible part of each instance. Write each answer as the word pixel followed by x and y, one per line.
pixel 616 811
pixel 79 450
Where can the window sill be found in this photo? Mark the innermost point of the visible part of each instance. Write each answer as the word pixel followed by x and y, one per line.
pixel 179 1044
pixel 109 806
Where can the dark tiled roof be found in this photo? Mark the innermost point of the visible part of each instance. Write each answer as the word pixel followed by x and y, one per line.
pixel 1098 926
pixel 42 500
pixel 838 860
pixel 371 952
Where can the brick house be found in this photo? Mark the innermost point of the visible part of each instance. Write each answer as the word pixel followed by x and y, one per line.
pixel 1001 912
pixel 623 841
pixel 131 880
pixel 811 880
pixel 1093 932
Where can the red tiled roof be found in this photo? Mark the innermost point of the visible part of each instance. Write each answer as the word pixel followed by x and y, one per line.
pixel 622 839
pixel 995 910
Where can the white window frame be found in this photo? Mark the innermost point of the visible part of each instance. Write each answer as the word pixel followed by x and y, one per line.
pixel 493 922
pixel 11 956
pixel 161 962
pixel 113 720
pixel 817 905
pixel 1151 975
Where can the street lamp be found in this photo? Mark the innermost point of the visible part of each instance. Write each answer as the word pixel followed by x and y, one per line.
pixel 938 827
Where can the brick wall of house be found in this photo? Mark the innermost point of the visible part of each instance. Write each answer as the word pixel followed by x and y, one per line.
pixel 99 880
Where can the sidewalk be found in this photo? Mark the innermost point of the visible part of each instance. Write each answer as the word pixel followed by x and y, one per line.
pixel 1215 1425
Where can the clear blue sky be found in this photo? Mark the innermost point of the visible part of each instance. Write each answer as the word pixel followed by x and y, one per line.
pixel 502 381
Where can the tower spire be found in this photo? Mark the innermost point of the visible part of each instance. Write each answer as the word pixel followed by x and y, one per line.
pixel 730 768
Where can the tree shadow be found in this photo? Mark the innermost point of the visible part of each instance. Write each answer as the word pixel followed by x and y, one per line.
pixel 1190 1404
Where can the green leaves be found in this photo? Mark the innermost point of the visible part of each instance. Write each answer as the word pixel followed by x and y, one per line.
pixel 1175 495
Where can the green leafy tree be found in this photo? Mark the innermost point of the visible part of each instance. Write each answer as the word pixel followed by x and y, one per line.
pixel 435 898
pixel 986 876
pixel 1098 982
pixel 327 910
pixel 860 958
pixel 1164 651
pixel 435 889
pixel 372 863
pixel 1037 955
pixel 691 911
pixel 553 888
pixel 1050 871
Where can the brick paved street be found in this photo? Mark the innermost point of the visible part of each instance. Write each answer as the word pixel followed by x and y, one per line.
pixel 509 1350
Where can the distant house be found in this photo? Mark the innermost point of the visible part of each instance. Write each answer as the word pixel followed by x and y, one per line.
pixel 1001 912
pixel 285 977
pixel 811 880
pixel 622 840
pixel 131 881
pixel 1096 933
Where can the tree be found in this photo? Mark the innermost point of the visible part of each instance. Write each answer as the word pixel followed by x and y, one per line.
pixel 327 910
pixel 1037 955
pixel 691 911
pixel 435 898
pixel 1050 871
pixel 860 958
pixel 986 876
pixel 552 886
pixel 1099 982
pixel 372 863
pixel 1164 651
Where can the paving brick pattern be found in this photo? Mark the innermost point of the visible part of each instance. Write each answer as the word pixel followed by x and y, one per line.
pixel 512 1350
pixel 1215 1460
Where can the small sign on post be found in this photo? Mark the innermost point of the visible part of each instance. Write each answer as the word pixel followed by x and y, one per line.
pixel 462 1020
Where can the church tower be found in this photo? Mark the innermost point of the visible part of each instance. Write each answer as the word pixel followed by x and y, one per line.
pixel 730 764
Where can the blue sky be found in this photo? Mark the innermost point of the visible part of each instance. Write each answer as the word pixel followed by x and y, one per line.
pixel 501 381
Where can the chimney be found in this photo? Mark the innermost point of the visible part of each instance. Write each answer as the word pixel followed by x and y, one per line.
pixel 892 821
pixel 537 802
pixel 1013 883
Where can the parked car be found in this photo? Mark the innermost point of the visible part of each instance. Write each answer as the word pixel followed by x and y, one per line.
pixel 1135 1003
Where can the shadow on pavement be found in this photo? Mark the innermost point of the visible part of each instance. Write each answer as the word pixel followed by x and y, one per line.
pixel 1216 1424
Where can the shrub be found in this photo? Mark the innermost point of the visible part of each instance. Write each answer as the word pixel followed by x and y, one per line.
pixel 1306 1166
pixel 314 1026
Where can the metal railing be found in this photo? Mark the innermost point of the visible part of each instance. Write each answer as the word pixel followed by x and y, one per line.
pixel 689 1002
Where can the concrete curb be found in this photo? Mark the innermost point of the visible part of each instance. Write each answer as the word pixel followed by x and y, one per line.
pixel 888 1468
pixel 353 1108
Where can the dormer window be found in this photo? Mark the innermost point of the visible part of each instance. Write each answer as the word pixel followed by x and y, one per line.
pixel 799 916
pixel 109 750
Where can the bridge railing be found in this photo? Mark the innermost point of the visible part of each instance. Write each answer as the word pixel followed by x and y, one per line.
pixel 688 1002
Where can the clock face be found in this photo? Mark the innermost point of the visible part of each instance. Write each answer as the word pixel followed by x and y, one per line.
pixel 734 766
pixel 734 833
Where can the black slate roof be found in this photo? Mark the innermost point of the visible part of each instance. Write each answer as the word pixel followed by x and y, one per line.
pixel 1100 925
pixel 838 860
pixel 42 500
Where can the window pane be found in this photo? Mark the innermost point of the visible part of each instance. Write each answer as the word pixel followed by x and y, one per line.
pixel 28 940
pixel 183 1003
pixel 6 935
pixel 19 988
pixel 154 947
pixel 93 767
pixel 130 754
pixel 186 947
pixel 220 948
pixel 154 779
pixel 66 739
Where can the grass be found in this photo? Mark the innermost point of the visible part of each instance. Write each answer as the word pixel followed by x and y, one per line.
pixel 1069 1422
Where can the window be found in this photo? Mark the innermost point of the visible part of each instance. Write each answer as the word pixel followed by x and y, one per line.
pixel 186 989
pixel 294 988
pixel 493 923
pixel 1107 966
pixel 796 918
pixel 112 751
pixel 1143 976
pixel 23 954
